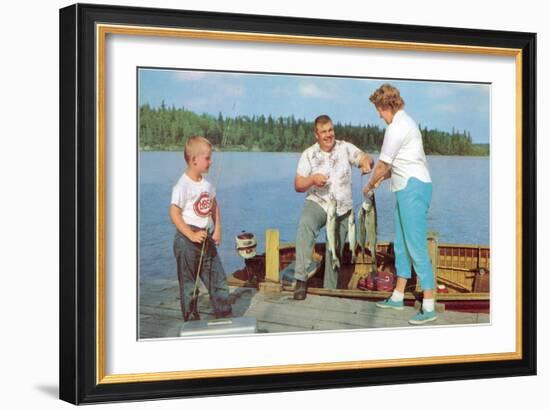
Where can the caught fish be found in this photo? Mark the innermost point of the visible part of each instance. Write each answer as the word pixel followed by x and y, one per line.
pixel 352 236
pixel 332 234
pixel 368 226
pixel 361 232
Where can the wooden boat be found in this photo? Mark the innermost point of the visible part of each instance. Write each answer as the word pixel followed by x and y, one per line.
pixel 462 274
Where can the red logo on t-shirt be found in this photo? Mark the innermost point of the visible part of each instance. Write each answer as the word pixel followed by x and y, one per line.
pixel 202 205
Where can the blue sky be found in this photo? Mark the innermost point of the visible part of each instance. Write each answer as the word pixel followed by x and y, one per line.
pixel 440 105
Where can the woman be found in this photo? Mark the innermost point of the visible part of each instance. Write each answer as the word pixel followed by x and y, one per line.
pixel 402 158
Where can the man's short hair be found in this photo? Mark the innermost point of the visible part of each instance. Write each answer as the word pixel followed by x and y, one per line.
pixel 387 96
pixel 194 146
pixel 321 120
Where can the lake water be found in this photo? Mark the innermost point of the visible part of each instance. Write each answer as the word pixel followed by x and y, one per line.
pixel 255 191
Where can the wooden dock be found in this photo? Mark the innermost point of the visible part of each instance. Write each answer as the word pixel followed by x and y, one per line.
pixel 160 314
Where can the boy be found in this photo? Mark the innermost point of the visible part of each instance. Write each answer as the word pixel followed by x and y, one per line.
pixel 193 206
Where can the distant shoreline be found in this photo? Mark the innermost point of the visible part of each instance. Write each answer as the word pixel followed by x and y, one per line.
pixel 167 129
pixel 242 148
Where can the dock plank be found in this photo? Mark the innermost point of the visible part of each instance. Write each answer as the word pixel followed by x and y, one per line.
pixel 160 314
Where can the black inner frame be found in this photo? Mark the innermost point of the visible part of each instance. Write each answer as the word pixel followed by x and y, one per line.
pixel 78 198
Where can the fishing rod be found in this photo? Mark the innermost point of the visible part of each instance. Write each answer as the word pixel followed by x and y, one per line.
pixel 193 306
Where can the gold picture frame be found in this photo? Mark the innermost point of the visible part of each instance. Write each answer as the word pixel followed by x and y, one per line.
pixel 84 32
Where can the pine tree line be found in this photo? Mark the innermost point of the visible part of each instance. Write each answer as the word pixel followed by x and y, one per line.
pixel 168 128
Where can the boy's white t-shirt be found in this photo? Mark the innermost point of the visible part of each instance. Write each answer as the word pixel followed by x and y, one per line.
pixel 195 200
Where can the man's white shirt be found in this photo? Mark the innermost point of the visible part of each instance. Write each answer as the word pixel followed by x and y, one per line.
pixel 336 165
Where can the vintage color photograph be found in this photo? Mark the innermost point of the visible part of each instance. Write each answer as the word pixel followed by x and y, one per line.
pixel 279 203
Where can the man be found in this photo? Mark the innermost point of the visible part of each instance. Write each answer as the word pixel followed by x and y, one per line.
pixel 324 172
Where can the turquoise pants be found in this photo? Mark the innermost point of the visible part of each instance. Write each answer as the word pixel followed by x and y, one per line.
pixel 411 229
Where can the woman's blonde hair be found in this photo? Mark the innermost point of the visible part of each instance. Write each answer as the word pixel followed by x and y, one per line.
pixel 195 146
pixel 387 96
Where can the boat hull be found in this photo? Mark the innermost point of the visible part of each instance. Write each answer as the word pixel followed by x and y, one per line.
pixel 462 275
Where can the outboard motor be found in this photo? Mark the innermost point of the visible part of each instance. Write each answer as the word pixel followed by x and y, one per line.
pixel 245 243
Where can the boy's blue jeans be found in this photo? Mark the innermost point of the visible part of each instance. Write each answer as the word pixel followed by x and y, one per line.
pixel 411 229
pixel 212 275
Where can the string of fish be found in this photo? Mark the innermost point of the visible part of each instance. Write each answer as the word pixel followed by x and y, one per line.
pixel 368 226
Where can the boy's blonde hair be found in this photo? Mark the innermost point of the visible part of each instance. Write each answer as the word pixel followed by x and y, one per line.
pixel 387 96
pixel 195 146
